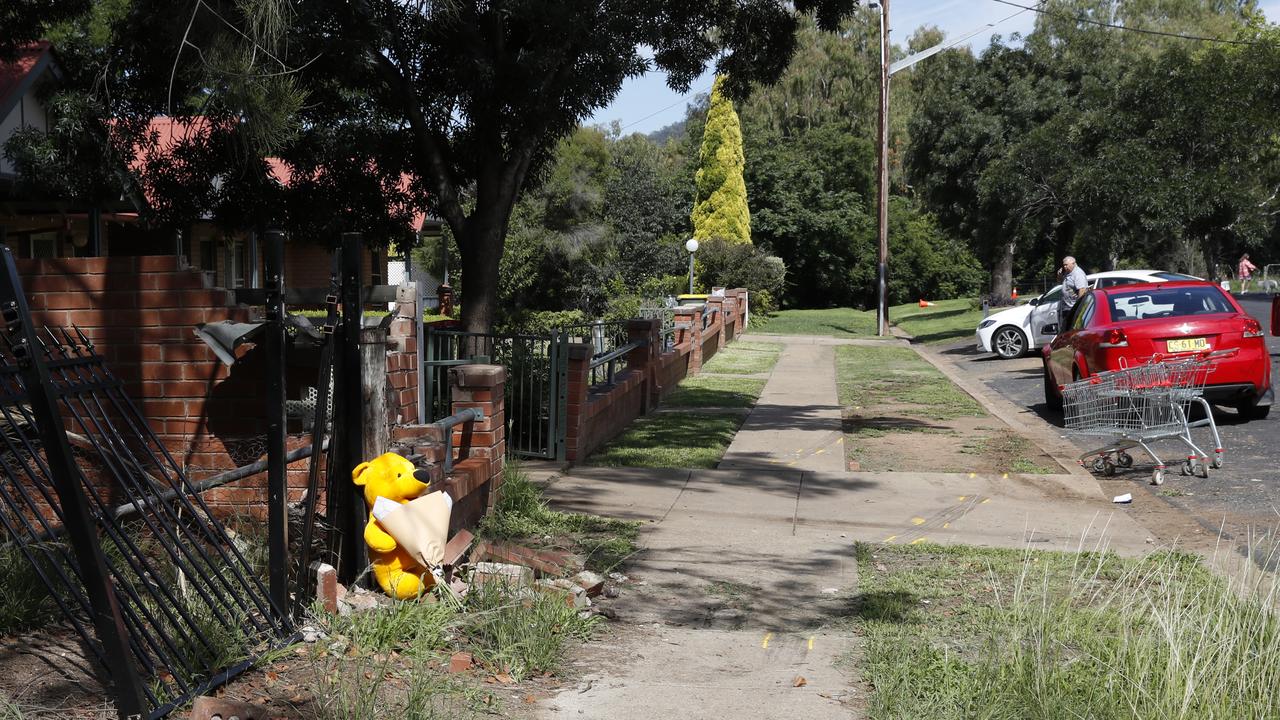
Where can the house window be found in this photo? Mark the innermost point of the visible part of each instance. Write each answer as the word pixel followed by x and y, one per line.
pixel 377 267
pixel 43 245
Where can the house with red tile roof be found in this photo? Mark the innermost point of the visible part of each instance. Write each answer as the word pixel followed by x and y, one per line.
pixel 59 228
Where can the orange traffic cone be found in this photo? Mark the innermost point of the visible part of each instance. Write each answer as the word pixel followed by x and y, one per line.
pixel 926 303
pixel 1015 293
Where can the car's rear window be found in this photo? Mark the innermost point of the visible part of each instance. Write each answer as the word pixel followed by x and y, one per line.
pixel 1160 302
pixel 1174 276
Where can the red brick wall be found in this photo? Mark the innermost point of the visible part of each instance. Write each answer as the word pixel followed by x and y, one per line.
pixel 140 313
pixel 596 415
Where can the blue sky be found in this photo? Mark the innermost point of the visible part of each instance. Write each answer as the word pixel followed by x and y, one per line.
pixel 646 103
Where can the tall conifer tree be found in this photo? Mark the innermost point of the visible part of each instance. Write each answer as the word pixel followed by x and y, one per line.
pixel 720 207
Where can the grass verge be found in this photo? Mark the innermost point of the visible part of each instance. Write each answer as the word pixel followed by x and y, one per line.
pixel 836 322
pixel 671 440
pixel 702 391
pixel 946 321
pixel 744 358
pixel 522 515
pixel 961 632
pixel 1011 453
pixel 870 376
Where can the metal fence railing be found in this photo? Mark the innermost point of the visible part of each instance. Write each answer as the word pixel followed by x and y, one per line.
pixel 667 333
pixel 536 390
pixel 607 339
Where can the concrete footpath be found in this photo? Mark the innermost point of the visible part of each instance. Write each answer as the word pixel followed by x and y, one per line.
pixel 747 573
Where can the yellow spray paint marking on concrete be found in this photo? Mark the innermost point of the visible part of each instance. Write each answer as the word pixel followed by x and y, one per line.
pixel 891 538
pixel 917 521
pixel 961 498
pixel 810 642
pixel 985 501
pixel 946 525
pixel 1005 476
pixel 973 475
pixel 917 541
pixel 820 451
pixel 765 643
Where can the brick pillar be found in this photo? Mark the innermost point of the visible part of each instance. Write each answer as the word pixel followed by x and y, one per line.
pixel 402 358
pixel 479 447
pixel 694 316
pixel 644 359
pixel 732 328
pixel 579 380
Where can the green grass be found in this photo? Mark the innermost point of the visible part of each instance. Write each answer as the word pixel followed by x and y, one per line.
pixel 704 391
pixel 26 603
pixel 959 632
pixel 868 376
pixel 744 358
pixel 1014 450
pixel 521 514
pixel 948 320
pixel 522 634
pixel 836 322
pixel 413 627
pixel 671 440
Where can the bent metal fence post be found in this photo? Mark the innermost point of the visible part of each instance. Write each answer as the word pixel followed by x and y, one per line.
pixel 174 606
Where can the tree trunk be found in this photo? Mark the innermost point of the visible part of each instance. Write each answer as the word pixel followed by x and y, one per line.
pixel 1002 273
pixel 481 254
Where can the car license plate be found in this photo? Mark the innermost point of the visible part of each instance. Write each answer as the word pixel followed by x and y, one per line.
pixel 1187 344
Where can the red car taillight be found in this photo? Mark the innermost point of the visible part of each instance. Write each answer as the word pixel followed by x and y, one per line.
pixel 1252 328
pixel 1115 338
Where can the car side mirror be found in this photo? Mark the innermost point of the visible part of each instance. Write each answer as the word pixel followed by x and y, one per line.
pixel 1034 301
pixel 1275 315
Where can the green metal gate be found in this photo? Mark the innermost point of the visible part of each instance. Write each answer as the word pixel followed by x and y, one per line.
pixel 537 393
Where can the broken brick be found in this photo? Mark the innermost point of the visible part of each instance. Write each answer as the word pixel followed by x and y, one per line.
pixel 460 662
pixel 506 573
pixel 552 563
pixel 593 583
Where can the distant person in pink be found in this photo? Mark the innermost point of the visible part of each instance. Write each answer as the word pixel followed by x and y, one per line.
pixel 1244 271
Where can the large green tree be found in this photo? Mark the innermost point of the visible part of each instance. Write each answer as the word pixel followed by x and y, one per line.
pixel 720 205
pixel 468 98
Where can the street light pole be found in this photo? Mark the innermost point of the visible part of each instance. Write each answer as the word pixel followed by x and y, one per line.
pixel 882 215
pixel 692 247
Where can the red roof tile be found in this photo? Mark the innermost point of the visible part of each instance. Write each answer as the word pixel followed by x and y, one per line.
pixel 13 75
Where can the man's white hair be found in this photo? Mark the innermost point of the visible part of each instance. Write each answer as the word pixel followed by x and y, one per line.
pixel 1068 259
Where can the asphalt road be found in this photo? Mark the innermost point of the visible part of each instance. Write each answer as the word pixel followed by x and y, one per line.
pixel 1244 493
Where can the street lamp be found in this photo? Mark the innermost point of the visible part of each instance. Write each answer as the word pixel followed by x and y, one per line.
pixel 692 247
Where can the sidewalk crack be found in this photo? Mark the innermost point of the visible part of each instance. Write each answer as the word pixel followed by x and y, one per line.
pixel 679 495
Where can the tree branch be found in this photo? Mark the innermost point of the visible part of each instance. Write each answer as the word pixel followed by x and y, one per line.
pixel 429 147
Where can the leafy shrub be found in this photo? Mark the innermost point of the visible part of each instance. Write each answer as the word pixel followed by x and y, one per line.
pixel 734 265
pixel 541 322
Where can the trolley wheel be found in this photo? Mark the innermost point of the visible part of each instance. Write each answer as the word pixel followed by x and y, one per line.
pixel 1124 459
pixel 1185 468
pixel 1100 464
pixel 1216 463
pixel 1157 476
pixel 1202 469
pixel 1108 468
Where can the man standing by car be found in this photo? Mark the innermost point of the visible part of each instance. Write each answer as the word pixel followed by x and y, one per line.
pixel 1074 285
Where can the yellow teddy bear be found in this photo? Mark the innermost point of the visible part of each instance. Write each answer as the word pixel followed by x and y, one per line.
pixel 392 477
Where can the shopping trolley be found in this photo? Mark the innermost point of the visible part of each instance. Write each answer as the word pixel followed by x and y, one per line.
pixel 1139 405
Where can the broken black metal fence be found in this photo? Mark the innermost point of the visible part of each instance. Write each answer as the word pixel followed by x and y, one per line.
pixel 167 602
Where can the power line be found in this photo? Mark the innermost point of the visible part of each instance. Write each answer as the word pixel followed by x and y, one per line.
pixel 659 112
pixel 1099 23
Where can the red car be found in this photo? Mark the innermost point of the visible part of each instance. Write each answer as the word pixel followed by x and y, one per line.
pixel 1130 323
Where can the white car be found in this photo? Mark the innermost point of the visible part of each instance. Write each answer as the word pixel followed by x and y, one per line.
pixel 1011 333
